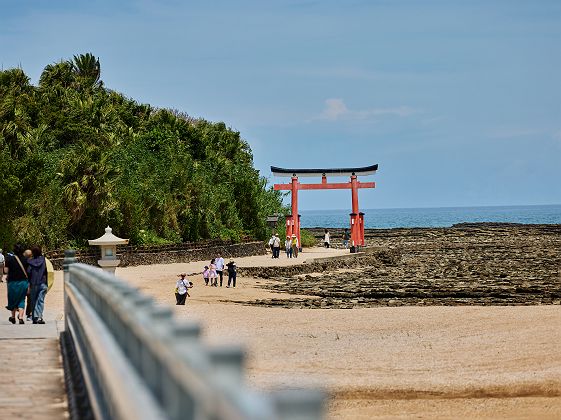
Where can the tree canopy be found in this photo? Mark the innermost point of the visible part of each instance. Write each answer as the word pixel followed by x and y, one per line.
pixel 76 157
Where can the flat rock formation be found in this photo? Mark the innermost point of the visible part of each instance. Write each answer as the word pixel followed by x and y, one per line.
pixel 467 264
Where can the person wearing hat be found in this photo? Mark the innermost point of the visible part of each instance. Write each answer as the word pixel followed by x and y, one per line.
pixel 231 273
pixel 294 243
pixel 276 246
pixel 181 287
pixel 288 247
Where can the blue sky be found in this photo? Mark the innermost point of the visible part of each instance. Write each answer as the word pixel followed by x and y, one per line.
pixel 459 102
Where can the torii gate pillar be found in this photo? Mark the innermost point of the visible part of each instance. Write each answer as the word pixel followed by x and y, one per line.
pixel 295 217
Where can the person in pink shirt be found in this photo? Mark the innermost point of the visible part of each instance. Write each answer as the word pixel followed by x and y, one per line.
pixel 212 274
pixel 206 272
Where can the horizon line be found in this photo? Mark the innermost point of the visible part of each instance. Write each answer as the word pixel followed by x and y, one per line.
pixel 443 207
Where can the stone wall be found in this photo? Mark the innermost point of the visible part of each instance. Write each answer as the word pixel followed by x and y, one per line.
pixel 143 257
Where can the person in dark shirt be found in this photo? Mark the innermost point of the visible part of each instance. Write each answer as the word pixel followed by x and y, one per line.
pixel 346 237
pixel 27 254
pixel 231 273
pixel 16 268
pixel 37 273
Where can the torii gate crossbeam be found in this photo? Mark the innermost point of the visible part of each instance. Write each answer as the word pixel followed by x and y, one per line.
pixel 357 218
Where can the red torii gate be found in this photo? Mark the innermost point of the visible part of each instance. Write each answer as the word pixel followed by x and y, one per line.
pixel 357 218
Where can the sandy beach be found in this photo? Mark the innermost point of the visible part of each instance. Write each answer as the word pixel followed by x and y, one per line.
pixel 433 361
pixel 381 362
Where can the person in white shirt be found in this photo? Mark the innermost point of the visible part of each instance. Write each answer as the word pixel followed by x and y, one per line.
pixel 212 275
pixel 326 239
pixel 2 261
pixel 276 246
pixel 271 242
pixel 288 247
pixel 181 287
pixel 219 262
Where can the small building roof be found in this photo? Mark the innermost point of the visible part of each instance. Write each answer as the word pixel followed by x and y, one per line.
pixel 108 239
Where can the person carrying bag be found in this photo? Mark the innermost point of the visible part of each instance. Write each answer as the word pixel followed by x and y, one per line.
pixel 18 285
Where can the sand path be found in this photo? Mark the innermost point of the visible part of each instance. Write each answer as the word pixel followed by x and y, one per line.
pixel 388 361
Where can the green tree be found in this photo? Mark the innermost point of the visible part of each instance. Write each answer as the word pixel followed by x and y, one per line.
pixel 87 70
pixel 75 156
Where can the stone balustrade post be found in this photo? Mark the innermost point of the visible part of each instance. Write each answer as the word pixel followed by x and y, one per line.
pixel 69 259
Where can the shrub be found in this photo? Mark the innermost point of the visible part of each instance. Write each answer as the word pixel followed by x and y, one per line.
pixel 307 239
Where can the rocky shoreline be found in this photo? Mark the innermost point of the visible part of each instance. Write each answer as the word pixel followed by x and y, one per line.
pixel 467 264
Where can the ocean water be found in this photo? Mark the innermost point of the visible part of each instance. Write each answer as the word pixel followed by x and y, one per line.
pixel 434 217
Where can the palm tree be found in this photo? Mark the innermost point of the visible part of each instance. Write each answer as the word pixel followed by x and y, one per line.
pixel 88 182
pixel 16 103
pixel 60 74
pixel 87 71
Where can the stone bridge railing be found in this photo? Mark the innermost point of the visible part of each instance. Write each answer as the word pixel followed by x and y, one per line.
pixel 137 362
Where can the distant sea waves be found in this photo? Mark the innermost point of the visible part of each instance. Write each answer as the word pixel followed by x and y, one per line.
pixel 434 217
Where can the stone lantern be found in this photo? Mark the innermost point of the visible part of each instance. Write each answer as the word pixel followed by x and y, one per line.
pixel 108 243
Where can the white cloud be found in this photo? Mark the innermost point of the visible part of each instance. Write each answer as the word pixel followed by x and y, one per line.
pixel 335 109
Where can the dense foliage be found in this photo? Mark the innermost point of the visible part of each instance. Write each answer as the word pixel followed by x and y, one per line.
pixel 76 157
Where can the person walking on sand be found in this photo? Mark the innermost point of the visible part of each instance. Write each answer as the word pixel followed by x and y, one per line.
pixel 288 247
pixel 276 246
pixel 181 287
pixel 206 272
pixel 37 273
pixel 294 243
pixel 346 237
pixel 271 242
pixel 326 239
pixel 212 273
pixel 219 267
pixel 16 268
pixel 231 273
